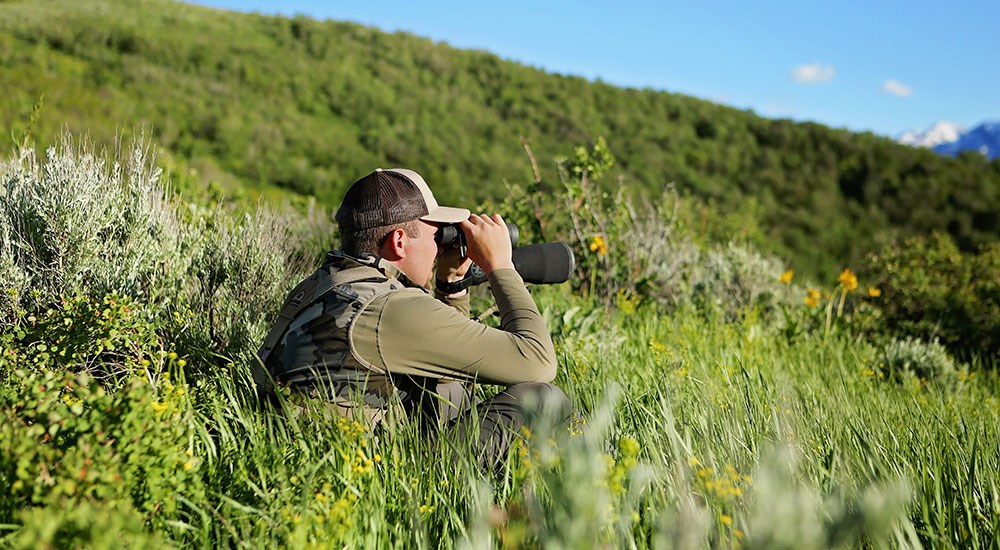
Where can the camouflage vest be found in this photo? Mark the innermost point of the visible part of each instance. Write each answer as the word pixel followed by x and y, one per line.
pixel 309 349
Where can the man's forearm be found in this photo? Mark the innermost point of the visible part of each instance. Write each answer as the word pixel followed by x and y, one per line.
pixel 518 312
pixel 406 336
pixel 460 301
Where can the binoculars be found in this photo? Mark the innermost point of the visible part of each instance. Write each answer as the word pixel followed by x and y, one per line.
pixel 543 263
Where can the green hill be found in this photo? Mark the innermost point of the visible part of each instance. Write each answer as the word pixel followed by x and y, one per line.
pixel 265 103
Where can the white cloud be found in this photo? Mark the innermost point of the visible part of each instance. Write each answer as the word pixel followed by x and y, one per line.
pixel 812 73
pixel 896 88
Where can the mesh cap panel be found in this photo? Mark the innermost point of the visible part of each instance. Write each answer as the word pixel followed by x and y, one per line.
pixel 381 198
pixel 389 197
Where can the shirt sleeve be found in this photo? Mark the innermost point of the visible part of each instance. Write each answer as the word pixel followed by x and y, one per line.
pixel 409 332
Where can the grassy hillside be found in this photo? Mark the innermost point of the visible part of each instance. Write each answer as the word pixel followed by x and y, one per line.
pixel 272 103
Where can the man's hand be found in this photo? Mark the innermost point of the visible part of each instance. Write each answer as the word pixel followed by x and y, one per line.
pixel 451 266
pixel 488 242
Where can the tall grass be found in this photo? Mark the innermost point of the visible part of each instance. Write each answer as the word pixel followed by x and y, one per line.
pixel 699 426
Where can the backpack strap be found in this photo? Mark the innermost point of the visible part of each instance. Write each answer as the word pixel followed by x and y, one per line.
pixel 306 293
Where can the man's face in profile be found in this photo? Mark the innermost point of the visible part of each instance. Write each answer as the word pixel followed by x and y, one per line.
pixel 421 252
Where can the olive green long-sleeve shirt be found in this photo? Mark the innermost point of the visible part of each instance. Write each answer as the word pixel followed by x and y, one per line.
pixel 409 332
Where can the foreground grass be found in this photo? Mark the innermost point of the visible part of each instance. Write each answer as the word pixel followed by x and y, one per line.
pixel 694 432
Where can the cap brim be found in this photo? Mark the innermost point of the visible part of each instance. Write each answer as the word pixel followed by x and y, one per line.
pixel 447 214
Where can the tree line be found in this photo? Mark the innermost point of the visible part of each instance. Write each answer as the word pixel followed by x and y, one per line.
pixel 293 104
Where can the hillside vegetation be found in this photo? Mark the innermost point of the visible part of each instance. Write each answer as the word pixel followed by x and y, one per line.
pixel 266 103
pixel 724 400
pixel 721 404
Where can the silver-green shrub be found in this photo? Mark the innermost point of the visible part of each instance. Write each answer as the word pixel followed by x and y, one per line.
pixel 639 249
pixel 82 223
pixel 787 513
pixel 736 278
pixel 236 277
pixel 77 223
pixel 913 358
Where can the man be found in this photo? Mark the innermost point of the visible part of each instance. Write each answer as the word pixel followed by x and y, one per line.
pixel 365 333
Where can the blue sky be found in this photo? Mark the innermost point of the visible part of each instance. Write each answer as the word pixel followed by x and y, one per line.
pixel 880 66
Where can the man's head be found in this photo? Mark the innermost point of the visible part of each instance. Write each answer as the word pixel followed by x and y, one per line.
pixel 386 209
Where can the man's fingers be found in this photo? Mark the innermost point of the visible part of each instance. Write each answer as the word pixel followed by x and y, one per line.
pixel 489 241
pixel 485 219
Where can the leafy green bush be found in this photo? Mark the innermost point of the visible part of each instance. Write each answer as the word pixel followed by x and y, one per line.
pixel 932 290
pixel 86 524
pixel 80 332
pixel 68 440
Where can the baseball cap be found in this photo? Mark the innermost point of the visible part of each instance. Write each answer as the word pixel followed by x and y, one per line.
pixel 388 197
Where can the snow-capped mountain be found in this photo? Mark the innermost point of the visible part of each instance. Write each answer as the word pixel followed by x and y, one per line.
pixel 949 138
pixel 942 132
pixel 984 138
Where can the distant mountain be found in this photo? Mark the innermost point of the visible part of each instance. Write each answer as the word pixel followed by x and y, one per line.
pixel 949 138
pixel 940 133
pixel 984 138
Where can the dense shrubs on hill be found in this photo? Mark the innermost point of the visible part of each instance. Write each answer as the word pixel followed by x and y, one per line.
pixel 308 106
pixel 930 289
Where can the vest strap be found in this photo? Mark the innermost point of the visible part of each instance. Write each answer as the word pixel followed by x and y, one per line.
pixel 302 296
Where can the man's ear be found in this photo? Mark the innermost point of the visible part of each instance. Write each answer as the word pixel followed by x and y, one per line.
pixel 394 245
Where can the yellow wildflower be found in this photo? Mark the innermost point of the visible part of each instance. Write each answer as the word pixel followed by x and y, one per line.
pixel 812 297
pixel 726 520
pixel 874 292
pixel 848 279
pixel 786 277
pixel 526 433
pixel 598 245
